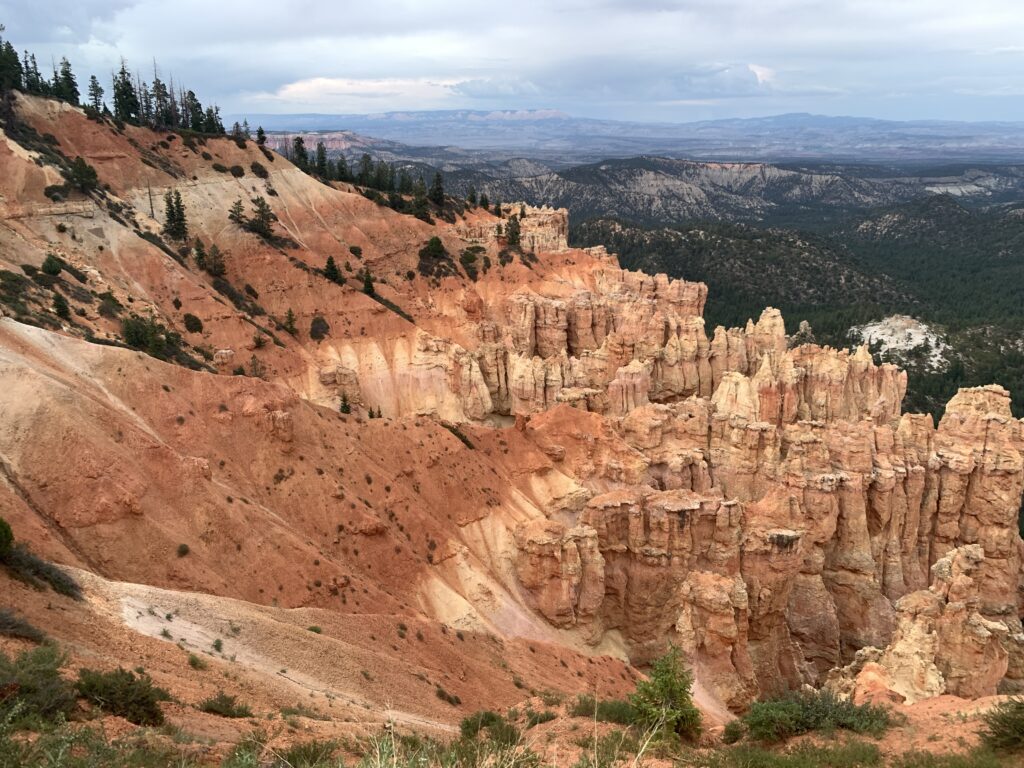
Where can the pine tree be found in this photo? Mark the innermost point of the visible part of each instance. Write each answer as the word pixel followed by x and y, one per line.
pixel 175 225
pixel 405 185
pixel 60 306
pixel 126 100
pixel 512 231
pixel 246 133
pixel 65 84
pixel 342 172
pixel 331 271
pixel 199 254
pixel 368 288
pixel 11 72
pixel 471 196
pixel 497 208
pixel 344 407
pixel 364 177
pixel 215 262
pixel 237 212
pixel 261 136
pixel 289 322
pixel 82 175
pixel 95 93
pixel 484 202
pixel 263 218
pixel 299 154
pixel 437 190
pixel 321 160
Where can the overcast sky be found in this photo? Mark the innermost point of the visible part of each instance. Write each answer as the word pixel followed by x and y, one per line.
pixel 624 59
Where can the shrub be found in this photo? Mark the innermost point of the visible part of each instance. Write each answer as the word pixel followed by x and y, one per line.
pixel 664 700
pixel 226 706
pixel 219 168
pixel 318 328
pixel 33 689
pixel 448 698
pixel 1004 726
pixel 536 718
pixel 237 171
pixel 733 731
pixel 608 711
pixel 472 724
pixel 315 629
pixel 26 567
pixel 6 537
pixel 773 721
pixel 12 626
pixel 123 693
pixel 193 324
pixel 259 170
pixel 309 754
pixel 183 550
pixel 52 265
pixel 197 662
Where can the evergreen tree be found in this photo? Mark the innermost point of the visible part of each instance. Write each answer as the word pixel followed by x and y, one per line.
pixel 215 262
pixel 246 133
pixel 405 185
pixel 60 306
pixel 82 175
pixel 512 230
pixel 342 173
pixel 497 208
pixel 321 160
pixel 299 154
pixel 11 73
pixel 522 212
pixel 65 84
pixel 95 93
pixel 263 218
pixel 471 196
pixel 192 114
pixel 289 322
pixel 261 136
pixel 368 288
pixel 237 212
pixel 437 190
pixel 236 131
pixel 175 225
pixel 331 271
pixel 34 82
pixel 126 100
pixel 344 407
pixel 484 202
pixel 364 177
pixel 199 254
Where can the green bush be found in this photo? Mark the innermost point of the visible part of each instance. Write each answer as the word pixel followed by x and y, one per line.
pixel 6 537
pixel 52 265
pixel 34 690
pixel 851 754
pixel 536 718
pixel 226 706
pixel 309 754
pixel 733 732
pixel 472 724
pixel 237 171
pixel 12 626
pixel 193 324
pixel 123 693
pixel 664 701
pixel 1004 726
pixel 24 566
pixel 777 720
pixel 318 328
pixel 606 711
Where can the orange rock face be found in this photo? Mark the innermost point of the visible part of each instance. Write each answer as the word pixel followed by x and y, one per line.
pixel 608 475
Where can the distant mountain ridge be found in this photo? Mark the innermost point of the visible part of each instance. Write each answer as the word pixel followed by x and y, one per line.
pixel 796 136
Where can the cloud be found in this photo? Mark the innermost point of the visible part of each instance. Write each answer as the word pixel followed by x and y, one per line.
pixel 636 59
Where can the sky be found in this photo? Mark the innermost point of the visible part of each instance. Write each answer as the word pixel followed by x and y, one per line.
pixel 646 60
